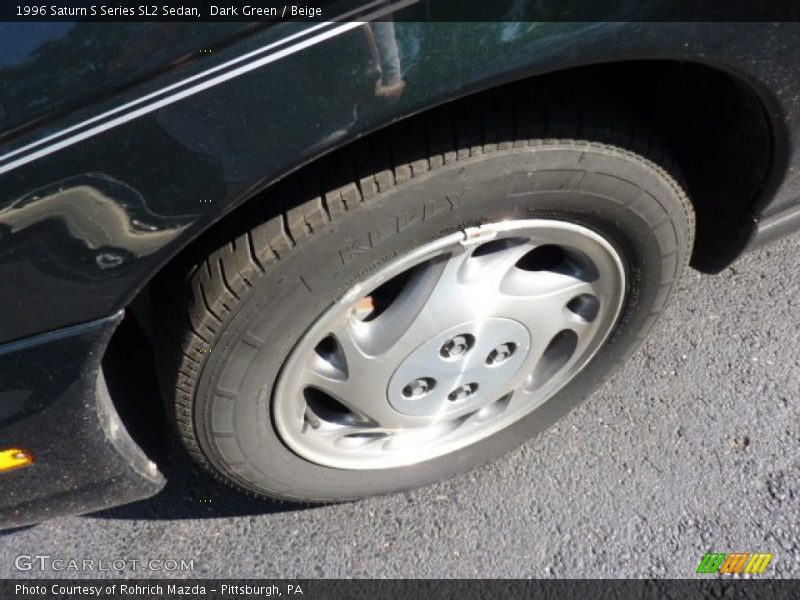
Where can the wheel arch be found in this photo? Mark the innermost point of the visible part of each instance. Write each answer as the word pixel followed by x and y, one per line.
pixel 720 133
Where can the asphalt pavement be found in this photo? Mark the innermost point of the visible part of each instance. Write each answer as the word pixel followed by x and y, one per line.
pixel 693 446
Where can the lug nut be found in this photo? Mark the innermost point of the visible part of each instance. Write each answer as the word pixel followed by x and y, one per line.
pixel 457 346
pixel 462 392
pixel 418 387
pixel 500 354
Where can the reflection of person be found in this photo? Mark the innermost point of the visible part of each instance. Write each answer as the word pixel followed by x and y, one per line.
pixel 390 83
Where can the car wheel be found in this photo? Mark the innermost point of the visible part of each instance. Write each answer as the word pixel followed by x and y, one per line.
pixel 422 318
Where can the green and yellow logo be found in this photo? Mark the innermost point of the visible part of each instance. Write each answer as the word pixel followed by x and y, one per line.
pixel 736 562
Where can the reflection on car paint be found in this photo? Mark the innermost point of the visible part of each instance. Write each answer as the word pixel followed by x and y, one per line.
pixel 110 219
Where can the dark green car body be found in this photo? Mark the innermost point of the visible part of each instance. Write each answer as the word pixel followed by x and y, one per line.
pixel 122 144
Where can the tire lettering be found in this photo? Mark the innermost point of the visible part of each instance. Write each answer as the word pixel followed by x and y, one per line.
pixel 381 232
pixel 429 209
pixel 354 248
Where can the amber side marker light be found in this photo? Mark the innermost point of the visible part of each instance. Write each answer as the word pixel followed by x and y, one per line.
pixel 14 458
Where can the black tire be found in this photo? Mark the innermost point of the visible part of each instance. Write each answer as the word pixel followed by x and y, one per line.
pixel 249 298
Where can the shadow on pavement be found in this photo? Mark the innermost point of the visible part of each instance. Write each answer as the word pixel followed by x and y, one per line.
pixel 190 492
pixel 13 530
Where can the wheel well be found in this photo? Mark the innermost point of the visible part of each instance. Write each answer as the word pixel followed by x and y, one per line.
pixel 716 128
pixel 712 123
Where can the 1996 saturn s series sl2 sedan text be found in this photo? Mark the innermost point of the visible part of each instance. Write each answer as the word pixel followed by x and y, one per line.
pixel 366 254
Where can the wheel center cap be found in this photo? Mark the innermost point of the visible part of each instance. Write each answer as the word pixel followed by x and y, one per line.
pixel 462 367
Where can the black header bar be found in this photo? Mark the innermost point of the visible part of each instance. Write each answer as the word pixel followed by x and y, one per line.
pixel 402 10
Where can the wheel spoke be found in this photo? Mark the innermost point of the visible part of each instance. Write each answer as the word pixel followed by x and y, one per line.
pixel 456 290
pixel 336 430
pixel 486 270
pixel 542 297
pixel 361 386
